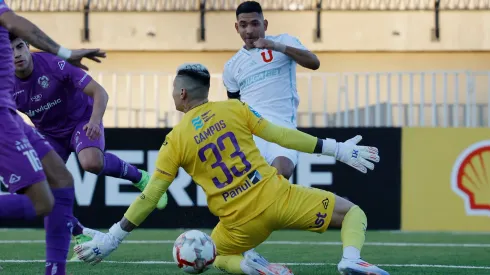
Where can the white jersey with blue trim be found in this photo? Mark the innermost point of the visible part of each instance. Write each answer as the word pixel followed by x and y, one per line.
pixel 266 80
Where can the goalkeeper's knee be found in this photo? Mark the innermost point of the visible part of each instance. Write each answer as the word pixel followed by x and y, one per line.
pixel 230 264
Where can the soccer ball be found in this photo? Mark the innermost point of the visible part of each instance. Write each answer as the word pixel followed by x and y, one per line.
pixel 194 252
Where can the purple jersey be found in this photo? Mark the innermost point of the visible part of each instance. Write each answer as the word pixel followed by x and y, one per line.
pixel 6 64
pixel 52 96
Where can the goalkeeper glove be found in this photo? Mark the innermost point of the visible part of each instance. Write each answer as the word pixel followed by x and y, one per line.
pixel 351 154
pixel 101 245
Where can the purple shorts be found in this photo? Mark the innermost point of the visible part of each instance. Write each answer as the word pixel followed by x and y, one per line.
pixel 20 165
pixel 77 142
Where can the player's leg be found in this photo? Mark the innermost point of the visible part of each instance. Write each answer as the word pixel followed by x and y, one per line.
pixel 62 148
pixel 20 170
pixel 60 224
pixel 233 242
pixel 283 159
pixel 315 210
pixel 93 159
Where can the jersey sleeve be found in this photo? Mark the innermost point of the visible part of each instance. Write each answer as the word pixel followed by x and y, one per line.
pixel 229 80
pixel 168 160
pixel 292 41
pixel 3 7
pixel 254 120
pixel 72 75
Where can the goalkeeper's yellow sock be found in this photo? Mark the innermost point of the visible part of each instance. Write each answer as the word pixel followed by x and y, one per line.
pixel 353 232
pixel 230 264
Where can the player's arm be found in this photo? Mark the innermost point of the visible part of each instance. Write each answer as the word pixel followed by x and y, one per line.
pixel 100 96
pixel 103 244
pixel 166 168
pixel 293 48
pixel 144 204
pixel 29 32
pixel 348 152
pixel 232 88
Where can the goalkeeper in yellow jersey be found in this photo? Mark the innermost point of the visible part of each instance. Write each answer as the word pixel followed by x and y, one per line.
pixel 214 144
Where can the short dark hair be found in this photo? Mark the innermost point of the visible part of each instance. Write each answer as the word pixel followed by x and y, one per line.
pixel 195 71
pixel 248 7
pixel 12 37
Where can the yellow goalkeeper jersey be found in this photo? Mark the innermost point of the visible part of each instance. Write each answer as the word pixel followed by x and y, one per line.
pixel 214 144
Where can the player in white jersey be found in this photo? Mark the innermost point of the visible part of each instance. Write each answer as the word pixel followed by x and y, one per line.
pixel 263 74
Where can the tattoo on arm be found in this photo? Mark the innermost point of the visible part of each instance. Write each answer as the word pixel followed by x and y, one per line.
pixel 42 41
pixel 28 31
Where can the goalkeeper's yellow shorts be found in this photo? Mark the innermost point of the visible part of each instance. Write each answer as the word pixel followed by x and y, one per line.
pixel 300 208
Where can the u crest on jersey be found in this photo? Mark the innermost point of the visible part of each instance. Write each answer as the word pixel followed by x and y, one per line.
pixel 267 56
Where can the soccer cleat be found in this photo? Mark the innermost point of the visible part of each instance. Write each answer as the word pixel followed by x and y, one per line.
pixel 261 266
pixel 359 267
pixel 79 239
pixel 145 178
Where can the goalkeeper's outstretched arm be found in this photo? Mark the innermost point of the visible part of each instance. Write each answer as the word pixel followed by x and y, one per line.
pixel 143 205
pixel 295 139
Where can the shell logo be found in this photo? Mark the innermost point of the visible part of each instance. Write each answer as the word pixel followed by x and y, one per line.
pixel 470 178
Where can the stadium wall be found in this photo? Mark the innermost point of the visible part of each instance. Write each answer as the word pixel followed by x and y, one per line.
pixel 341 30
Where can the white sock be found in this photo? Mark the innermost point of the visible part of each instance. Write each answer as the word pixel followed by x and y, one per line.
pixel 352 253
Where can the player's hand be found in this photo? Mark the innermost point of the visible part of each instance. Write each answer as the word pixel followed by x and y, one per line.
pixel 101 245
pixel 92 130
pixel 263 43
pixel 355 155
pixel 92 54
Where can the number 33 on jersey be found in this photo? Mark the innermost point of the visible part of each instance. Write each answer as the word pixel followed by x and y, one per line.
pixel 214 144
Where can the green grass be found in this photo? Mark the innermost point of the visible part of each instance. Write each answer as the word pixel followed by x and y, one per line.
pixel 428 253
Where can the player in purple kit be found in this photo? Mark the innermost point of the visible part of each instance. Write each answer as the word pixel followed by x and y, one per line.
pixel 49 194
pixel 67 106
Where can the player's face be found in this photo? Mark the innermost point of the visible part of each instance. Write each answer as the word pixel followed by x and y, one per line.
pixel 251 26
pixel 22 55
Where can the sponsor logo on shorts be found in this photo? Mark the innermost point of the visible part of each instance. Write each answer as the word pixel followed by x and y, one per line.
pixel 320 220
pixel 325 203
pixel 77 140
pixel 469 178
pixel 14 179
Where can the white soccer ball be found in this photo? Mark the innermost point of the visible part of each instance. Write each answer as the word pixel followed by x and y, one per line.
pixel 194 252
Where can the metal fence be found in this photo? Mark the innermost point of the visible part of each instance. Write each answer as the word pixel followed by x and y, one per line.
pixel 375 99
pixel 230 5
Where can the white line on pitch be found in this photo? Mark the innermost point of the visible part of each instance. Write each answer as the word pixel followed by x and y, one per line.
pixel 289 264
pixel 287 243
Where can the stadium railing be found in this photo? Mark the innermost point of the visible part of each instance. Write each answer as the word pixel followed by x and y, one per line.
pixel 230 5
pixel 354 99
